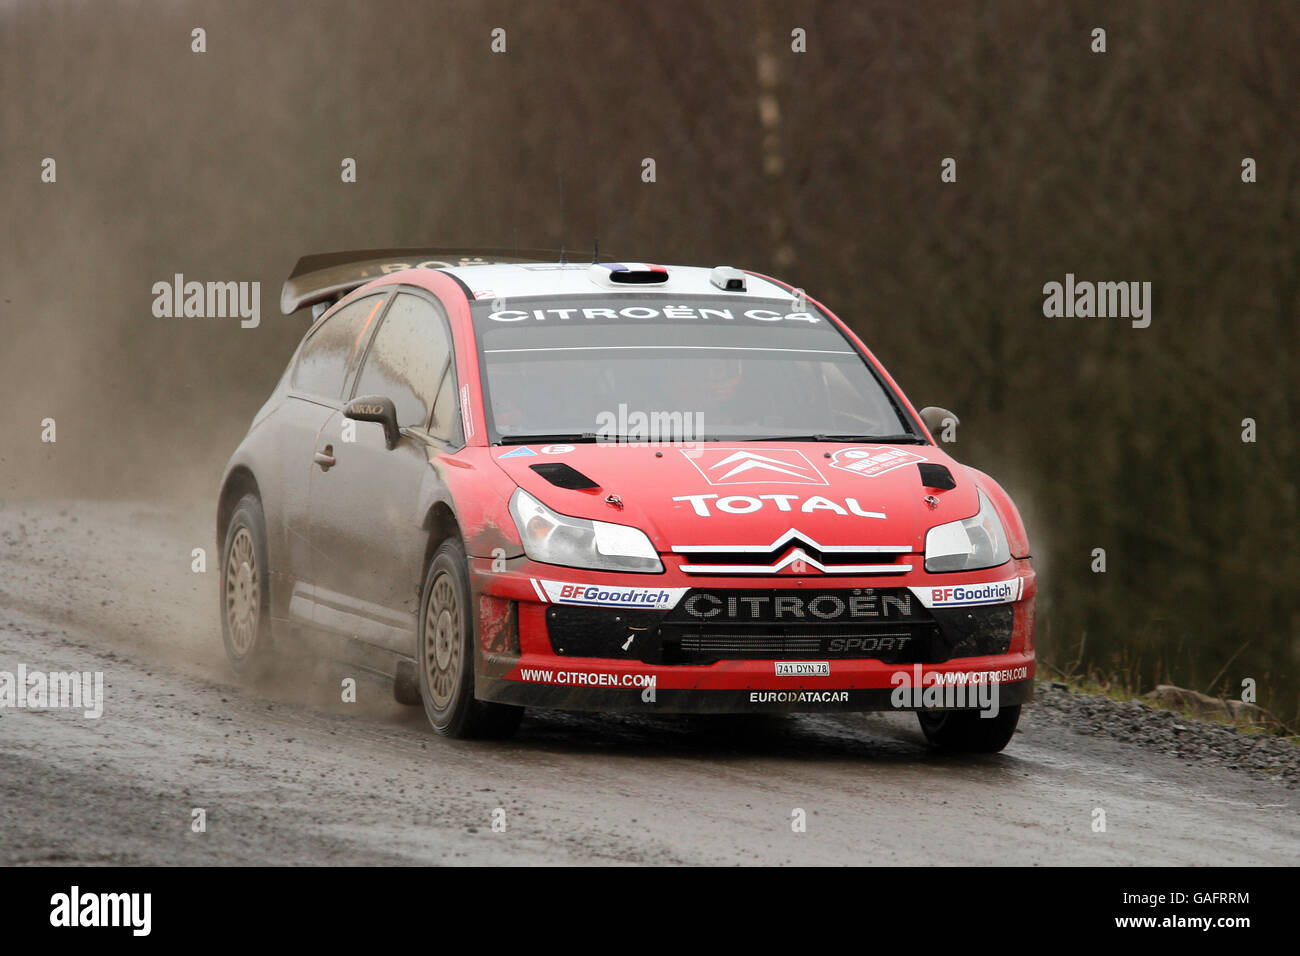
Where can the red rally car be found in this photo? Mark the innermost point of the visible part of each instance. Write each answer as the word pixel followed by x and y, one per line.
pixel 506 482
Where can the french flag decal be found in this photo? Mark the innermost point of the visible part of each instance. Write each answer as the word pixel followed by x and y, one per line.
pixel 628 273
pixel 633 267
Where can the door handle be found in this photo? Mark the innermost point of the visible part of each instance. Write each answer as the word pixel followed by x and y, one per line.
pixel 325 458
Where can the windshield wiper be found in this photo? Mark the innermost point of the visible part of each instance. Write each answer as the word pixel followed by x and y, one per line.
pixel 878 439
pixel 574 437
pixel 591 438
pixel 597 438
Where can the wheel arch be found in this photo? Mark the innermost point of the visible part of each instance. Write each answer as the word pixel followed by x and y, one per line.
pixel 440 524
pixel 239 482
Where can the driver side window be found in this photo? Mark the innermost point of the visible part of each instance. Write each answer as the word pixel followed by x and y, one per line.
pixel 410 361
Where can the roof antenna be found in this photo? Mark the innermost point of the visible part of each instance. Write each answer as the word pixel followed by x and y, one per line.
pixel 564 260
pixel 595 252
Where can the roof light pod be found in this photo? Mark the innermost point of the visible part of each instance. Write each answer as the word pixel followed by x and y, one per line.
pixel 728 279
pixel 627 273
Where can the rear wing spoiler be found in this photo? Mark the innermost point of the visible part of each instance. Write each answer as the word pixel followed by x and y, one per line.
pixel 327 277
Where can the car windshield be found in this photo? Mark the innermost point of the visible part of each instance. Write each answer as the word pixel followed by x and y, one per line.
pixel 675 368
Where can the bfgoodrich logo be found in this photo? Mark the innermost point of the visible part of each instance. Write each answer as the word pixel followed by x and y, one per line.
pixel 208 300
pixel 1105 300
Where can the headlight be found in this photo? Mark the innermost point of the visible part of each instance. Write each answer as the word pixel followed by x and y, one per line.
pixel 969 544
pixel 577 542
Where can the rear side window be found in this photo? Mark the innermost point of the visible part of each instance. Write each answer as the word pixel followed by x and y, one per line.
pixel 410 362
pixel 329 351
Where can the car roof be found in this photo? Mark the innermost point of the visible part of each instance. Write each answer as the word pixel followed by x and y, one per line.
pixel 519 280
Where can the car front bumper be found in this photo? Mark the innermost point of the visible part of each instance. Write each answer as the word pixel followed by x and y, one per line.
pixel 677 643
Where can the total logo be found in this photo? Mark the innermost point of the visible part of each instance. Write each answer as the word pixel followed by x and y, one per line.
pixel 747 504
pixel 960 595
pixel 745 466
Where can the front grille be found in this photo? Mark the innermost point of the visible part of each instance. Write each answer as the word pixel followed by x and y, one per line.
pixel 794 553
pixel 796 561
pixel 709 625
pixel 906 644
pixel 749 645
pixel 795 608
pixel 891 646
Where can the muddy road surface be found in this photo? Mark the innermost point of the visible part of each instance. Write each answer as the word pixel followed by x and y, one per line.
pixel 294 775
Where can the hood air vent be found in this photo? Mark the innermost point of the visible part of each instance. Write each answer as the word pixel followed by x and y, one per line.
pixel 564 476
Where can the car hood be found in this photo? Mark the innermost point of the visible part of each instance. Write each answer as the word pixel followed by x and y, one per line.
pixel 748 493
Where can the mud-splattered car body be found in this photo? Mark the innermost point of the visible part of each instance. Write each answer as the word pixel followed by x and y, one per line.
pixel 782 573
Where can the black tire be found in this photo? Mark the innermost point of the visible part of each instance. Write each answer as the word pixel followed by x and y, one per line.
pixel 406 686
pixel 246 593
pixel 445 654
pixel 965 731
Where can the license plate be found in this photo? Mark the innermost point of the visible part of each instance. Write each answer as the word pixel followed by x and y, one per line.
pixel 803 668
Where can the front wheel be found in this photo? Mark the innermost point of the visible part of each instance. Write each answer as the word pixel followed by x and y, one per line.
pixel 966 731
pixel 245 592
pixel 445 665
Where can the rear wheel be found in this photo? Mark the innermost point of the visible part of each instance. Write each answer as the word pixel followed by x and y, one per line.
pixel 445 665
pixel 245 592
pixel 966 731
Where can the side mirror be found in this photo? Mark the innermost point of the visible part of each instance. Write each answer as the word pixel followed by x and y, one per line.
pixel 934 418
pixel 376 408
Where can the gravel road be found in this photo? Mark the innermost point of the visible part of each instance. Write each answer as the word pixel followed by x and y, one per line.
pixel 298 776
